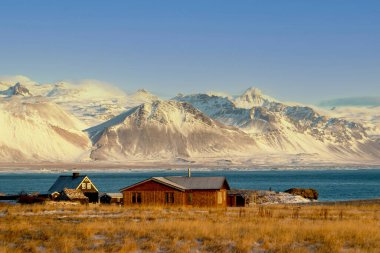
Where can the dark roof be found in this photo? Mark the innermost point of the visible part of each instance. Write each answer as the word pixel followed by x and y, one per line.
pixel 63 182
pixel 113 194
pixel 200 183
pixel 74 194
pixel 189 183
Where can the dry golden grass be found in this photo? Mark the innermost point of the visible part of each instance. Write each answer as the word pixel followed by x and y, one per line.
pixel 94 228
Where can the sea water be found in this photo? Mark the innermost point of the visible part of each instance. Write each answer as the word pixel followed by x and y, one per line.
pixel 332 184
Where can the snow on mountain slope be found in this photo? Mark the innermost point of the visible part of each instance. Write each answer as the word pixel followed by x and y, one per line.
pixel 364 110
pixel 95 102
pixel 291 128
pixel 91 101
pixel 33 129
pixel 368 116
pixel 166 129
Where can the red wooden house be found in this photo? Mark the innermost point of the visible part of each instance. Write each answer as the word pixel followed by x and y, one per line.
pixel 179 191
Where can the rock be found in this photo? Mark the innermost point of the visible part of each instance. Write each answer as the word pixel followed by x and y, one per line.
pixel 306 193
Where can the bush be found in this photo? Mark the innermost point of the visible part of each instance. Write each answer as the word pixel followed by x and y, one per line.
pixel 30 198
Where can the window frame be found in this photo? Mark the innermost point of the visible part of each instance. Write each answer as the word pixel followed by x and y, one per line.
pixel 169 197
pixel 136 198
pixel 190 198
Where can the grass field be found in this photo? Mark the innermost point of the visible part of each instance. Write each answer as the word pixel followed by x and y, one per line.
pixel 94 228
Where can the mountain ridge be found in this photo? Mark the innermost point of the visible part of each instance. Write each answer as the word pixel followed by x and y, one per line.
pixel 141 126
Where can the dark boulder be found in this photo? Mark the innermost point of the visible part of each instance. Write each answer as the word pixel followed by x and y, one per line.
pixel 306 193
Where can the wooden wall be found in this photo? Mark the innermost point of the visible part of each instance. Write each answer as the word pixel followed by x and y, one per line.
pixel 153 193
pixel 209 198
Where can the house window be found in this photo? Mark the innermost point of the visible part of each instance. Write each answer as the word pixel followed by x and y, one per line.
pixel 169 197
pixel 88 185
pixel 136 197
pixel 220 201
pixel 83 186
pixel 190 198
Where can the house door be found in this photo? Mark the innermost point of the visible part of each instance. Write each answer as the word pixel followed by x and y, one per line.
pixel 93 197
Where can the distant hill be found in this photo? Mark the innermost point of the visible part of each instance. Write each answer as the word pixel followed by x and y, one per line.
pixel 353 101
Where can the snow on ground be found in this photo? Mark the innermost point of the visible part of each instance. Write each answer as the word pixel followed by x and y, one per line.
pixel 271 197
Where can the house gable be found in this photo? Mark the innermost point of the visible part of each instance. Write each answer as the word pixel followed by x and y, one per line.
pixel 72 182
pixel 86 185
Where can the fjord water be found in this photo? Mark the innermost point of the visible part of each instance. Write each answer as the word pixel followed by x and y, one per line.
pixel 332 184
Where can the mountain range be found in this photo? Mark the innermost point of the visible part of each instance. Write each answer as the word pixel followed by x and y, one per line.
pixel 92 121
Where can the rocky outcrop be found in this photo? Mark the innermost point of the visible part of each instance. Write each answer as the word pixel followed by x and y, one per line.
pixel 261 197
pixel 306 193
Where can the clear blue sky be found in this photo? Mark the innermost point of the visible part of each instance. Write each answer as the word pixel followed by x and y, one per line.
pixel 302 50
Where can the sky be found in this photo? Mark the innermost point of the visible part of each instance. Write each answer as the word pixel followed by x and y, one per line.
pixel 296 50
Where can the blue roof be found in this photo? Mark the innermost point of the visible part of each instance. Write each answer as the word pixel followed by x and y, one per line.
pixel 63 182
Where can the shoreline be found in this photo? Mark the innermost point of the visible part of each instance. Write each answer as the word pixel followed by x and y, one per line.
pixel 358 202
pixel 353 202
pixel 104 167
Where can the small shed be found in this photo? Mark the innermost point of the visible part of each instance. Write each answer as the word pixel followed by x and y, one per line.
pixel 73 195
pixel 77 182
pixel 179 191
pixel 240 198
pixel 111 198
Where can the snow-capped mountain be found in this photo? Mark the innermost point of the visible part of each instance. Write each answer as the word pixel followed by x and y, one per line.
pixel 290 128
pixel 91 101
pixel 33 129
pixel 45 122
pixel 166 129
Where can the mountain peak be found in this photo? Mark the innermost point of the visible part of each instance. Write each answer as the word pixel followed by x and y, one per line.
pixel 19 89
pixel 252 97
pixel 253 92
pixel 143 96
pixel 15 90
pixel 143 91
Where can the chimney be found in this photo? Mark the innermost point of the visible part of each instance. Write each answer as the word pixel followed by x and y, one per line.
pixel 75 174
pixel 188 172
